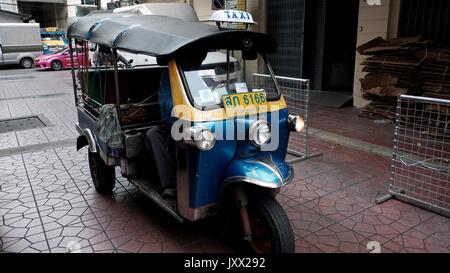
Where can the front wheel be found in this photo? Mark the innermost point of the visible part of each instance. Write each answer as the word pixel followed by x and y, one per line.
pixel 26 62
pixel 270 226
pixel 56 65
pixel 103 176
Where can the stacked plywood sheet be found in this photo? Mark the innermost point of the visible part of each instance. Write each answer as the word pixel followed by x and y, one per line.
pixel 399 66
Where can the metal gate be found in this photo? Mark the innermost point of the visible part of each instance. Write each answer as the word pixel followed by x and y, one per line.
pixel 285 23
pixel 428 18
pixel 296 93
pixel 421 160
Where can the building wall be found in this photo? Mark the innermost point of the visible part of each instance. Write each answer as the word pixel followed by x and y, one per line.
pixel 9 5
pixel 9 18
pixel 203 10
pixel 71 9
pixel 374 21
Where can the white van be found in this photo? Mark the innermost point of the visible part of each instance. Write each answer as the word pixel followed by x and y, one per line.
pixel 20 43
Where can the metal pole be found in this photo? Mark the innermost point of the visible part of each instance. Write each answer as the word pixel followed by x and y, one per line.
pixel 56 16
pixel 74 82
pixel 228 70
pixel 424 99
pixel 306 119
pixel 116 83
pixel 271 73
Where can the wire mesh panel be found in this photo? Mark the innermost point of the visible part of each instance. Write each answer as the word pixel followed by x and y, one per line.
pixel 296 93
pixel 421 161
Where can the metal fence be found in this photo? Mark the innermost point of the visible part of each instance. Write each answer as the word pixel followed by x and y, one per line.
pixel 296 93
pixel 421 160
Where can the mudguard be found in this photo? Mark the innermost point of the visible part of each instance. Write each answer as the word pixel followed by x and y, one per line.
pixel 86 138
pixel 267 172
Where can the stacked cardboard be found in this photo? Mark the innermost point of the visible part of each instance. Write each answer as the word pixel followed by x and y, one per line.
pixel 399 66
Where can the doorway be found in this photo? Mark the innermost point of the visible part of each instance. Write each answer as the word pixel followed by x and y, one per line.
pixel 330 49
pixel 47 14
pixel 340 45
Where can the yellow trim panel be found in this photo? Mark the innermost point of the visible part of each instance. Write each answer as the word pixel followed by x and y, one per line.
pixel 183 109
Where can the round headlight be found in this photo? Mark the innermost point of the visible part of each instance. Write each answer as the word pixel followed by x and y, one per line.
pixel 260 133
pixel 200 137
pixel 296 123
pixel 205 140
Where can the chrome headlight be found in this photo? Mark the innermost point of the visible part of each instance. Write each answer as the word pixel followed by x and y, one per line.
pixel 296 123
pixel 200 137
pixel 260 133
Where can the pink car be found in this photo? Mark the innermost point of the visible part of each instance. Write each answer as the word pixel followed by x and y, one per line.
pixel 61 59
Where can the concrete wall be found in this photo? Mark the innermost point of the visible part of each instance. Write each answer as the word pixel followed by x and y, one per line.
pixel 203 9
pixel 9 18
pixel 374 21
pixel 9 5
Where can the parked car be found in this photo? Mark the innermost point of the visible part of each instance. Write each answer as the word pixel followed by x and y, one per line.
pixel 20 43
pixel 61 59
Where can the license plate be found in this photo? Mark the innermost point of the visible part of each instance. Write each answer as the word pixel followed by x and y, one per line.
pixel 243 103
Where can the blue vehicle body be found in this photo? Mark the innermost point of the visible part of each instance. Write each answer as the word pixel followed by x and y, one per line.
pixel 237 161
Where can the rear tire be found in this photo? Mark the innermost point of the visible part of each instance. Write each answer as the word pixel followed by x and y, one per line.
pixel 26 62
pixel 56 65
pixel 271 228
pixel 103 176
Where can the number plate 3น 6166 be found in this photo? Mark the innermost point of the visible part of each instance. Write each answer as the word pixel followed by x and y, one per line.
pixel 245 103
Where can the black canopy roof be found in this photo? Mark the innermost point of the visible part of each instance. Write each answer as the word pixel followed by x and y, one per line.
pixel 162 36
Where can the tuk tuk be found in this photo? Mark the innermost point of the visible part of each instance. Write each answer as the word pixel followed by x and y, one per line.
pixel 229 136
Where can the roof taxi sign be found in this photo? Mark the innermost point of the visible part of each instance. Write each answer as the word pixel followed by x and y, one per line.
pixel 229 19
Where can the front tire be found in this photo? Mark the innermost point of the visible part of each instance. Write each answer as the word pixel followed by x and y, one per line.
pixel 271 228
pixel 26 62
pixel 103 176
pixel 56 65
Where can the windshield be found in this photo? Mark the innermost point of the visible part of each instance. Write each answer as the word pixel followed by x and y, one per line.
pixel 209 82
pixel 60 51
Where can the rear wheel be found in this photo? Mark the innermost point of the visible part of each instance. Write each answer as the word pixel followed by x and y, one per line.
pixel 26 62
pixel 56 65
pixel 271 229
pixel 103 176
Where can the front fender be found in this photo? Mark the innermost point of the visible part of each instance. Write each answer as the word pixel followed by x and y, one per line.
pixel 86 138
pixel 267 172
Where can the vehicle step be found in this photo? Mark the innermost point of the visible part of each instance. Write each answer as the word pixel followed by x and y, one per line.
pixel 151 191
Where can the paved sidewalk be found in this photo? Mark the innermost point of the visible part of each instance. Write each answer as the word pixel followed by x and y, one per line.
pixel 346 122
pixel 47 200
pixel 32 92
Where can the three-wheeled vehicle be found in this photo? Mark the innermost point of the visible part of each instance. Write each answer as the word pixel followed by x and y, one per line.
pixel 230 137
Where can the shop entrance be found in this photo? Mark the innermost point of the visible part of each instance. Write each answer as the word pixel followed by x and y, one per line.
pixel 330 49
